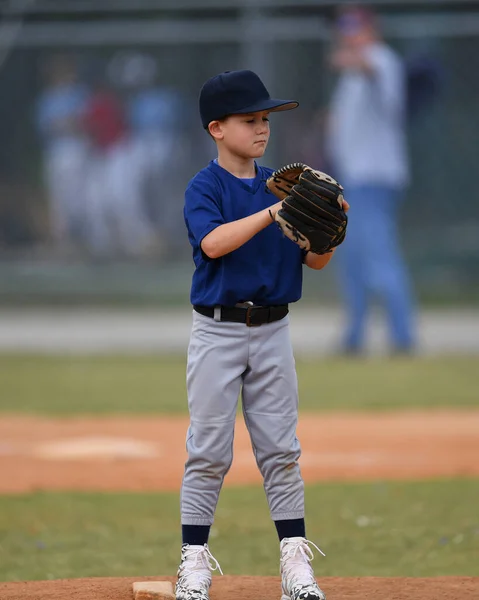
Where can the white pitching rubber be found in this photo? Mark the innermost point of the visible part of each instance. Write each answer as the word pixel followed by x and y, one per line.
pixel 153 590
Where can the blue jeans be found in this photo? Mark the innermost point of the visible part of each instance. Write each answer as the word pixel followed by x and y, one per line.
pixel 371 266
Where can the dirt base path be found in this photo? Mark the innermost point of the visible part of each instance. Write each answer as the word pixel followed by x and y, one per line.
pixel 143 454
pixel 255 588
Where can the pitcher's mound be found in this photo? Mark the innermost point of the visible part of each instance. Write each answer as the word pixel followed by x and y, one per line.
pixel 253 588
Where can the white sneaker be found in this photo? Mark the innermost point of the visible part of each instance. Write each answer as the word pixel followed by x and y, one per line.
pixel 194 572
pixel 297 577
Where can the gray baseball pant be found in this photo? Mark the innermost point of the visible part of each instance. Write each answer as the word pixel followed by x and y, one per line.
pixel 223 359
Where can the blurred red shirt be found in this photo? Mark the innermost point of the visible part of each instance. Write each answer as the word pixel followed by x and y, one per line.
pixel 104 120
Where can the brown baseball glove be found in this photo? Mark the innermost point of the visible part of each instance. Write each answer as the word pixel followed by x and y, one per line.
pixel 312 214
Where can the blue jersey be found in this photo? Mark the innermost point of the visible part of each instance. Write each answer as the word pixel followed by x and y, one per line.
pixel 266 270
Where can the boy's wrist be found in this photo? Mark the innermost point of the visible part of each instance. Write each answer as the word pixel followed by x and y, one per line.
pixel 274 209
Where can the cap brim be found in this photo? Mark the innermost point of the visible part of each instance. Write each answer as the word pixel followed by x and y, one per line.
pixel 272 105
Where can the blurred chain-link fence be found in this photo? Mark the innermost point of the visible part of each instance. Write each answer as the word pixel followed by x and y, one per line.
pixel 145 62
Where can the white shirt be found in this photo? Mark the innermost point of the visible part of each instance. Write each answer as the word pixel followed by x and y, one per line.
pixel 366 137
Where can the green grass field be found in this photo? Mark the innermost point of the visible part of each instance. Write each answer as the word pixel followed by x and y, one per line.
pixel 381 529
pixel 151 384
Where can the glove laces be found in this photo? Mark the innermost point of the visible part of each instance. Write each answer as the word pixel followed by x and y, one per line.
pixel 296 556
pixel 196 567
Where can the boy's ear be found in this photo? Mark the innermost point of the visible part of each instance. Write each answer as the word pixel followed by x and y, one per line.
pixel 216 130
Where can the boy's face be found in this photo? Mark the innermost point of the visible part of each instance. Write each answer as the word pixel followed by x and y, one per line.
pixel 244 135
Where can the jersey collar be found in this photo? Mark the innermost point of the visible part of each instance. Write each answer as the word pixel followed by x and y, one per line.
pixel 252 189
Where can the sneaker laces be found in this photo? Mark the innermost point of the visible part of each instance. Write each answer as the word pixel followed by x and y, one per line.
pixel 197 564
pixel 296 555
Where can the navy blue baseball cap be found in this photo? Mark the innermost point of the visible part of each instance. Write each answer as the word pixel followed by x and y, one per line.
pixel 236 93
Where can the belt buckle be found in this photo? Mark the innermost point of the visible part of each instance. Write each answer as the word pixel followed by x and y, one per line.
pixel 249 311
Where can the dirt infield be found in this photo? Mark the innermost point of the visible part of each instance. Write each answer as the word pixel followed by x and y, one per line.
pixel 113 453
pixel 142 454
pixel 255 588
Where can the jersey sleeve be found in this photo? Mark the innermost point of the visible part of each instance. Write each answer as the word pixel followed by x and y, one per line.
pixel 202 209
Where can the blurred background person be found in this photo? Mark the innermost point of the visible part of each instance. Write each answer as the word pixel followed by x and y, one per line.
pixel 117 222
pixel 59 120
pixel 367 148
pixel 155 114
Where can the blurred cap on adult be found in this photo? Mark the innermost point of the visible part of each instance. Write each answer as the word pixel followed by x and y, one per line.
pixel 352 19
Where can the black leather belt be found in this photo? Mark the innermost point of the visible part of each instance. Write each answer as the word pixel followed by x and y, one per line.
pixel 251 316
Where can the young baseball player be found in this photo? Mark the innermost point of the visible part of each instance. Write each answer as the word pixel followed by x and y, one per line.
pixel 246 274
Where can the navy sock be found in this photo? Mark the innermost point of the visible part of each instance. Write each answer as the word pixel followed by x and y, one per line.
pixel 290 528
pixel 196 535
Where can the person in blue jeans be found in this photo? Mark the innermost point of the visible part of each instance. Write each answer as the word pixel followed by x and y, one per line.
pixel 372 265
pixel 367 149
